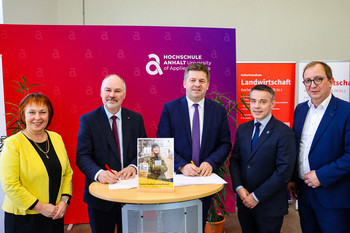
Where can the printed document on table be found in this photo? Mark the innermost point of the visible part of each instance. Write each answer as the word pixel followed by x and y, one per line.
pixel 182 180
pixel 179 180
pixel 124 184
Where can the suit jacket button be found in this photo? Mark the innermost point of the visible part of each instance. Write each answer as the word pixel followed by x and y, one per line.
pixel 248 166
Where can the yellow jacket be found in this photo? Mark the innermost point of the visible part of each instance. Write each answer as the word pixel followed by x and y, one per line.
pixel 23 174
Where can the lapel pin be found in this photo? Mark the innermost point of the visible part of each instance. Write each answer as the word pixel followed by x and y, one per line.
pixel 267 132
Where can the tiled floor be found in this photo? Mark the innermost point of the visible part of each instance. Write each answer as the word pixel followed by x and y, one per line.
pixel 290 224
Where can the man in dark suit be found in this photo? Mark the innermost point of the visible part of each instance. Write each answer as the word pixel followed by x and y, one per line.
pixel 108 136
pixel 261 165
pixel 322 128
pixel 199 127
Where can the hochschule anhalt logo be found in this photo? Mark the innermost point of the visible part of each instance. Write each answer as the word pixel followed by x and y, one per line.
pixel 154 64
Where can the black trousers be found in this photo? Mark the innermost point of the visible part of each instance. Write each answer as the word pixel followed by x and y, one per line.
pixel 206 201
pixel 32 223
pixel 104 221
pixel 252 223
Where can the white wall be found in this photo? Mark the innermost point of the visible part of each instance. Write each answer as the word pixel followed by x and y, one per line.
pixel 267 30
pixel 30 12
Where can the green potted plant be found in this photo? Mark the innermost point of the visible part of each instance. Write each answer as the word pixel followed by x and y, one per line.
pixel 13 122
pixel 2 139
pixel 218 210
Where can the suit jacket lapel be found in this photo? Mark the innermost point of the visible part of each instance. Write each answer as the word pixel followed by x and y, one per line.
pixel 185 118
pixel 264 135
pixel 299 123
pixel 125 125
pixel 248 137
pixel 326 119
pixel 106 128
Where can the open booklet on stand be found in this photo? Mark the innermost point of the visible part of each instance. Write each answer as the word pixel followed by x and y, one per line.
pixel 155 162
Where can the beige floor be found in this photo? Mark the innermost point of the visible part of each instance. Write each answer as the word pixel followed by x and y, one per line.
pixel 290 224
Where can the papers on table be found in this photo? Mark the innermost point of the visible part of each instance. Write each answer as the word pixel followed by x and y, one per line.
pixel 179 180
pixel 125 184
pixel 182 180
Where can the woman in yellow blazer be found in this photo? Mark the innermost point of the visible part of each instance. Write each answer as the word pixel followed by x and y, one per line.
pixel 35 172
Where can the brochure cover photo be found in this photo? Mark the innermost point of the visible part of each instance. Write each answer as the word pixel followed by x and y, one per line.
pixel 155 163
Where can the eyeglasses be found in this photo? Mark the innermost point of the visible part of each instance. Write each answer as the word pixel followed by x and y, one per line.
pixel 317 81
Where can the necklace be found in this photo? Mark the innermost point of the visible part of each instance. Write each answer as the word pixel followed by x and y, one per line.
pixel 48 148
pixel 48 145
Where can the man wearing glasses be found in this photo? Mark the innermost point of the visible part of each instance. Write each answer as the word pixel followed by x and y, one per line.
pixel 322 179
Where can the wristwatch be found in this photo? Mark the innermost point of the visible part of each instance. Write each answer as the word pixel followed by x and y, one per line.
pixel 65 200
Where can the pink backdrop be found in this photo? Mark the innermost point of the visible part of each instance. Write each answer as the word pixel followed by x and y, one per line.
pixel 71 61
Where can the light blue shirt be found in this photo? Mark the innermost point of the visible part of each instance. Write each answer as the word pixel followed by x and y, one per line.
pixel 263 124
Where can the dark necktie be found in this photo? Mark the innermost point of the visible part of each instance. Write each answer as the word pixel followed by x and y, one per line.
pixel 195 136
pixel 256 134
pixel 115 133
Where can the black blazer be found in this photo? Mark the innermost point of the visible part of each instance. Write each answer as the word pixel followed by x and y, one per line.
pixel 267 169
pixel 96 147
pixel 216 137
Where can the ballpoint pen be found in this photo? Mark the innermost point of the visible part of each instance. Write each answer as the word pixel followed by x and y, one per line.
pixel 108 168
pixel 194 165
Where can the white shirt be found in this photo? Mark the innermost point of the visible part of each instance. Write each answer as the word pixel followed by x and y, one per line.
pixel 312 121
pixel 120 135
pixel 200 112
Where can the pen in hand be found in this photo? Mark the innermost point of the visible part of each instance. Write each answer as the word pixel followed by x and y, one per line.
pixel 108 168
pixel 194 165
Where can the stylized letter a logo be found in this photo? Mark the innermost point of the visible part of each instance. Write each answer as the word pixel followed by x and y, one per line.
pixel 154 63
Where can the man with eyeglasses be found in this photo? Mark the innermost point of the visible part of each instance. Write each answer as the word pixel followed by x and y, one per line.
pixel 322 175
